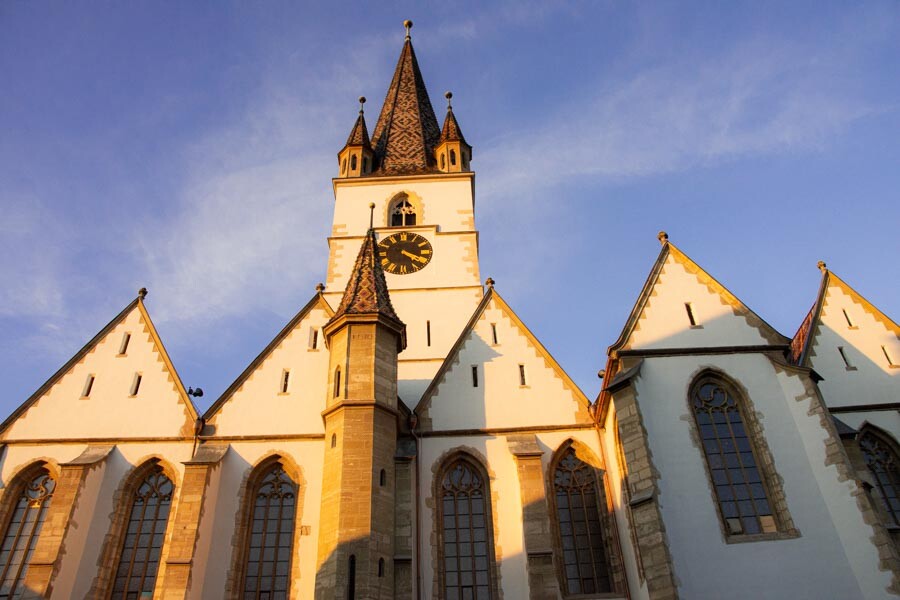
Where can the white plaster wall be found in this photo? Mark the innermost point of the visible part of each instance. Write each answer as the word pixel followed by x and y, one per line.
pixel 109 412
pixel 873 380
pixel 499 400
pixel 825 562
pixel 205 533
pixel 665 322
pixel 259 408
pixel 235 466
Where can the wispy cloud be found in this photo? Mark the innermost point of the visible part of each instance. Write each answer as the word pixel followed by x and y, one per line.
pixel 761 97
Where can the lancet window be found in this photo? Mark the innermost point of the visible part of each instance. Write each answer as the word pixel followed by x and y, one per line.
pixel 403 213
pixel 467 546
pixel 577 501
pixel 22 531
pixel 883 462
pixel 731 457
pixel 146 529
pixel 270 540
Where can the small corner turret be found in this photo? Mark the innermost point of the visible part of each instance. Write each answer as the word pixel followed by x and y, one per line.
pixel 452 152
pixel 356 157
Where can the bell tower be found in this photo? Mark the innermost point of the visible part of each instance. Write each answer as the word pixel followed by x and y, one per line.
pixel 356 535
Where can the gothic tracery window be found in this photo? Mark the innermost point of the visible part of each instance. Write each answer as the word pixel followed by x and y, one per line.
pixel 884 465
pixel 467 548
pixel 730 456
pixel 403 213
pixel 267 563
pixel 22 532
pixel 580 530
pixel 146 529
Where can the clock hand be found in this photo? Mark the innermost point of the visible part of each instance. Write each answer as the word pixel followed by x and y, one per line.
pixel 412 256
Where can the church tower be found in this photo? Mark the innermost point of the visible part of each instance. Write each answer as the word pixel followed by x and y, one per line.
pixel 356 539
pixel 417 174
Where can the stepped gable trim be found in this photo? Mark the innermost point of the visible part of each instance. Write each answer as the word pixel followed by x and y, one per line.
pixel 738 307
pixel 190 409
pixel 88 347
pixel 316 300
pixel 805 338
pixel 407 129
pixel 425 402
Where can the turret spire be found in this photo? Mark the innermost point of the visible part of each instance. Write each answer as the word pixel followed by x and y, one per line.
pixel 356 157
pixel 453 153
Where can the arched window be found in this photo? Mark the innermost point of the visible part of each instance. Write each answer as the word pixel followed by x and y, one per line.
pixel 148 516
pixel 22 530
pixel 467 546
pixel 730 452
pixel 353 162
pixel 453 157
pixel 581 537
pixel 883 462
pixel 269 544
pixel 443 161
pixel 343 166
pixel 402 212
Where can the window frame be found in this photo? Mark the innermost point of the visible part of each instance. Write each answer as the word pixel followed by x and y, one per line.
pixel 442 467
pixel 762 456
pixel 415 207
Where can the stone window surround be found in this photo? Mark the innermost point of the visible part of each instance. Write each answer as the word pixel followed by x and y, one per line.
pixel 614 563
pixel 761 453
pixel 414 200
pixel 478 460
pixel 873 489
pixel 252 477
pixel 108 562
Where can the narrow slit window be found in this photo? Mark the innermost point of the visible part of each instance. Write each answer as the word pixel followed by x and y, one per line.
pixel 522 375
pixel 337 382
pixel 844 358
pixel 123 347
pixel 285 380
pixel 888 357
pixel 381 567
pixel 494 333
pixel 847 318
pixel 334 440
pixel 351 578
pixel 88 384
pixel 474 375
pixel 313 338
pixel 136 384
pixel 428 332
pixel 690 314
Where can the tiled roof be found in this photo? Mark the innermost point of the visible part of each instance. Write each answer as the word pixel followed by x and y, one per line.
pixel 801 338
pixel 367 291
pixel 407 130
pixel 451 132
pixel 359 136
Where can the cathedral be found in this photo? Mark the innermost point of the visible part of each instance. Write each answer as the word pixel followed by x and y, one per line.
pixel 406 435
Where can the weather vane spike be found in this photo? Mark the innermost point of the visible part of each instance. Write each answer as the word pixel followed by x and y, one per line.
pixel 448 95
pixel 371 214
pixel 362 100
pixel 408 24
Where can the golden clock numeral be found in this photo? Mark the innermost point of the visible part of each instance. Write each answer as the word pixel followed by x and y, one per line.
pixel 422 244
pixel 403 237
pixel 391 267
pixel 393 239
pixel 403 270
pixel 426 251
pixel 384 261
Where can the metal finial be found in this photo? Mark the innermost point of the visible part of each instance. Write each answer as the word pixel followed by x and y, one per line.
pixel 142 293
pixel 822 266
pixel 320 287
pixel 408 24
pixel 362 100
pixel 601 373
pixel 448 95
pixel 371 214
pixel 489 282
pixel 663 237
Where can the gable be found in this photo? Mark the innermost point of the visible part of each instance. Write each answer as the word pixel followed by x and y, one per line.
pixel 61 410
pixel 498 400
pixel 854 346
pixel 682 306
pixel 255 403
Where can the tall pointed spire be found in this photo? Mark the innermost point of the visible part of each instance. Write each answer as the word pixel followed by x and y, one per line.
pixel 367 290
pixel 453 153
pixel 407 129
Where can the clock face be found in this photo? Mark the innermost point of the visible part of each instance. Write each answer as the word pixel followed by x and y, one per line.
pixel 404 252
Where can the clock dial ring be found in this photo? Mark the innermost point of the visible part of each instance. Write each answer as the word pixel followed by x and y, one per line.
pixel 404 252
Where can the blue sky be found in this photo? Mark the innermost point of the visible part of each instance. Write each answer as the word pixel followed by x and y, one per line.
pixel 189 148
